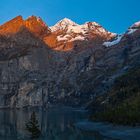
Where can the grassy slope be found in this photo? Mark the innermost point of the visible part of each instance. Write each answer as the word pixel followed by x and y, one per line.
pixel 122 103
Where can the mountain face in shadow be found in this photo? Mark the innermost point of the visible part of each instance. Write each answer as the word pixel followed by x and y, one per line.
pixel 68 63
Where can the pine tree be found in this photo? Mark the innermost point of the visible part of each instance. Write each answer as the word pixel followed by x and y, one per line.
pixel 33 127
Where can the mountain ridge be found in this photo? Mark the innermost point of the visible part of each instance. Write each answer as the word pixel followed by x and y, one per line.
pixel 33 23
pixel 37 69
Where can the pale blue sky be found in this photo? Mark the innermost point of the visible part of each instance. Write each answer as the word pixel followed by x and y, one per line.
pixel 114 15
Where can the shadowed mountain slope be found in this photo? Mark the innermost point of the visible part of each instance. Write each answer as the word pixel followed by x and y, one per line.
pixel 68 63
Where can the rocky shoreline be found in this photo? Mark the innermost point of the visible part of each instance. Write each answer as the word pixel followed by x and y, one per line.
pixel 109 130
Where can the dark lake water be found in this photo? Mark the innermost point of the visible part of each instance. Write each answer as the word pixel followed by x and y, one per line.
pixel 55 124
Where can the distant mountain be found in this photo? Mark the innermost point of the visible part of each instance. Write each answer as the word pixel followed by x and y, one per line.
pixel 67 63
pixel 131 30
pixel 33 24
pixel 66 31
pixel 78 32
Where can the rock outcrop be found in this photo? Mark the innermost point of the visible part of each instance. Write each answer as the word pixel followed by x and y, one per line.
pixel 67 63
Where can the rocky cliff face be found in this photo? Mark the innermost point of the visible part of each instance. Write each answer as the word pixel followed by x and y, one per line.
pixel 23 63
pixel 67 63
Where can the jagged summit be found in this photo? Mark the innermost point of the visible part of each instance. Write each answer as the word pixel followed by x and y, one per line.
pixel 65 31
pixel 133 28
pixel 68 31
pixel 68 27
pixel 62 24
pixel 130 31
pixel 67 21
pixel 12 26
pixel 33 24
pixel 17 18
pixel 36 19
pixel 37 26
pixel 136 25
pixel 73 27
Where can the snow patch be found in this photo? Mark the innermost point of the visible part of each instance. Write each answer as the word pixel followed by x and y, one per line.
pixel 133 28
pixel 62 38
pixel 69 38
pixel 136 25
pixel 130 31
pixel 114 42
pixel 77 38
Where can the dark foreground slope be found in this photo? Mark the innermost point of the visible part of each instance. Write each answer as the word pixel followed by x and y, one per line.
pixel 122 103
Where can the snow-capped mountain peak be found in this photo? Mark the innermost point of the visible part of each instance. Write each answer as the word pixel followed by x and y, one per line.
pixel 136 25
pixel 71 27
pixel 69 31
pixel 62 24
pixel 66 22
pixel 131 30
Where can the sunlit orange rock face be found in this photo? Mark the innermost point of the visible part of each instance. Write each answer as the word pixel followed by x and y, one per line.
pixel 33 24
pixel 12 26
pixel 37 26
